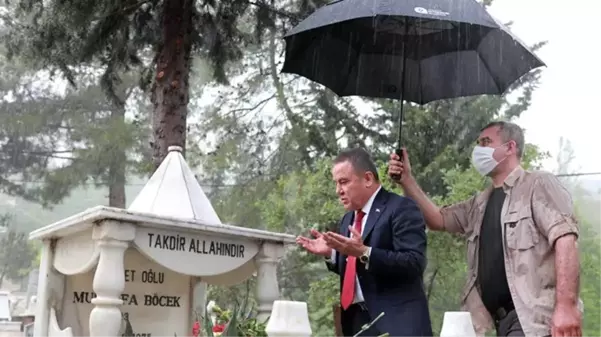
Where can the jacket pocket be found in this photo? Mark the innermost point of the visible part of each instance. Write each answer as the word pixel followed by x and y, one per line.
pixel 520 232
pixel 472 263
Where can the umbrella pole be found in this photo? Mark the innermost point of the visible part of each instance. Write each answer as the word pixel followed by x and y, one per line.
pixel 399 141
pixel 399 149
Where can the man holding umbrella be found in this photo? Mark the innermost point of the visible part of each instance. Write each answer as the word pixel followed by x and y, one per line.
pixel 421 51
pixel 522 240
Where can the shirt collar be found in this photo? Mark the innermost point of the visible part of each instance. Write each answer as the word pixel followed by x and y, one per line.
pixel 367 207
pixel 509 182
pixel 514 176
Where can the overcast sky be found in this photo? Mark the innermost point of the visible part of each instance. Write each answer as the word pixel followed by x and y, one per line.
pixel 567 101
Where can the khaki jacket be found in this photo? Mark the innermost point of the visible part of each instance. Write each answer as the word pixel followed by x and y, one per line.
pixel 536 212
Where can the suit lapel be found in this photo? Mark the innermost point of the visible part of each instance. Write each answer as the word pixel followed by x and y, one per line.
pixel 346 222
pixel 377 208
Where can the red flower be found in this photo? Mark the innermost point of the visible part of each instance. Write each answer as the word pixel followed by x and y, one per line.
pixel 218 327
pixel 196 329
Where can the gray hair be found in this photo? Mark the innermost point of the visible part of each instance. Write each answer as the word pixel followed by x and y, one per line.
pixel 360 160
pixel 508 132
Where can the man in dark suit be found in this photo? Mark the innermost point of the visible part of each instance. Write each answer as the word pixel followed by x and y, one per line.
pixel 380 253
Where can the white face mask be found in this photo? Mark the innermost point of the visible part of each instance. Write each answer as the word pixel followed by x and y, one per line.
pixel 483 160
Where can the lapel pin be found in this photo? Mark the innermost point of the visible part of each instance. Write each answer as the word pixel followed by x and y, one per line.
pixel 377 210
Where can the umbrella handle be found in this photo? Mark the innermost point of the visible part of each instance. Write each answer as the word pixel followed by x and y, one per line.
pixel 397 177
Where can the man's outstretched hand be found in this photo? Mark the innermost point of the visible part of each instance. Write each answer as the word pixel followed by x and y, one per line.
pixel 352 246
pixel 317 246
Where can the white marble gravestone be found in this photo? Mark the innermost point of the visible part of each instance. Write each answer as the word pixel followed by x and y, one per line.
pixel 457 324
pixel 105 267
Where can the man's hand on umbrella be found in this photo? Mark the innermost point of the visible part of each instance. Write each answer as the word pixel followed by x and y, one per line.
pixel 397 168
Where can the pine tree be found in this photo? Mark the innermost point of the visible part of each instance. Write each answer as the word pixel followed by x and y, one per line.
pixel 52 142
pixel 156 37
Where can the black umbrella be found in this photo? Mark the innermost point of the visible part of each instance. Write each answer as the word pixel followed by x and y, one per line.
pixel 413 50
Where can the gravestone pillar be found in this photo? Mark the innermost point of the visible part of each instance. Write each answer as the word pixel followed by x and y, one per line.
pixel 42 310
pixel 268 289
pixel 113 239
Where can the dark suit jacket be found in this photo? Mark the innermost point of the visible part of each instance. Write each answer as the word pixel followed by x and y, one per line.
pixel 393 282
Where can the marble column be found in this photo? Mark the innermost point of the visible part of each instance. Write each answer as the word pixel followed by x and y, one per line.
pixel 113 239
pixel 268 289
pixel 199 299
pixel 43 305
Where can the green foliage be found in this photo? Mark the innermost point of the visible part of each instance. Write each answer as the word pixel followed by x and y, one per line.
pixel 252 327
pixel 38 259
pixel 323 295
pixel 53 142
pixel 590 250
pixel 17 254
pixel 241 318
pixel 238 322
pixel 587 210
pixel 62 35
pixel 294 195
pixel 207 325
pixel 235 295
pixel 231 329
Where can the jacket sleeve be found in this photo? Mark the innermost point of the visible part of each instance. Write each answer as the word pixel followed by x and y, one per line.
pixel 407 258
pixel 553 208
pixel 331 262
pixel 456 217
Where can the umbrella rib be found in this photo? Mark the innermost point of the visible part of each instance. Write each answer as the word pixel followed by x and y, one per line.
pixel 494 78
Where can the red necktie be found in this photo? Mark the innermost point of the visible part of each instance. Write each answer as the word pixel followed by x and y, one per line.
pixel 350 274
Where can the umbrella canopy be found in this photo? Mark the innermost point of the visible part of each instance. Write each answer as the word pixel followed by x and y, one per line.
pixel 416 50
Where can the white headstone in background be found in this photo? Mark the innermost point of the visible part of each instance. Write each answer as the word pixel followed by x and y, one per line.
pixel 289 318
pixel 5 306
pixel 28 330
pixel 457 324
pixel 32 285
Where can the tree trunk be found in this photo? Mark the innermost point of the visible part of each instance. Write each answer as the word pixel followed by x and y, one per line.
pixel 117 165
pixel 170 88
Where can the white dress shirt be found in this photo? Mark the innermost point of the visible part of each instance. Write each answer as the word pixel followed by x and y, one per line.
pixel 366 209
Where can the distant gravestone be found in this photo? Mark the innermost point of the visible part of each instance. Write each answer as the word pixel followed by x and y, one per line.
pixel 32 285
pixel 457 324
pixel 28 330
pixel 5 306
pixel 289 318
